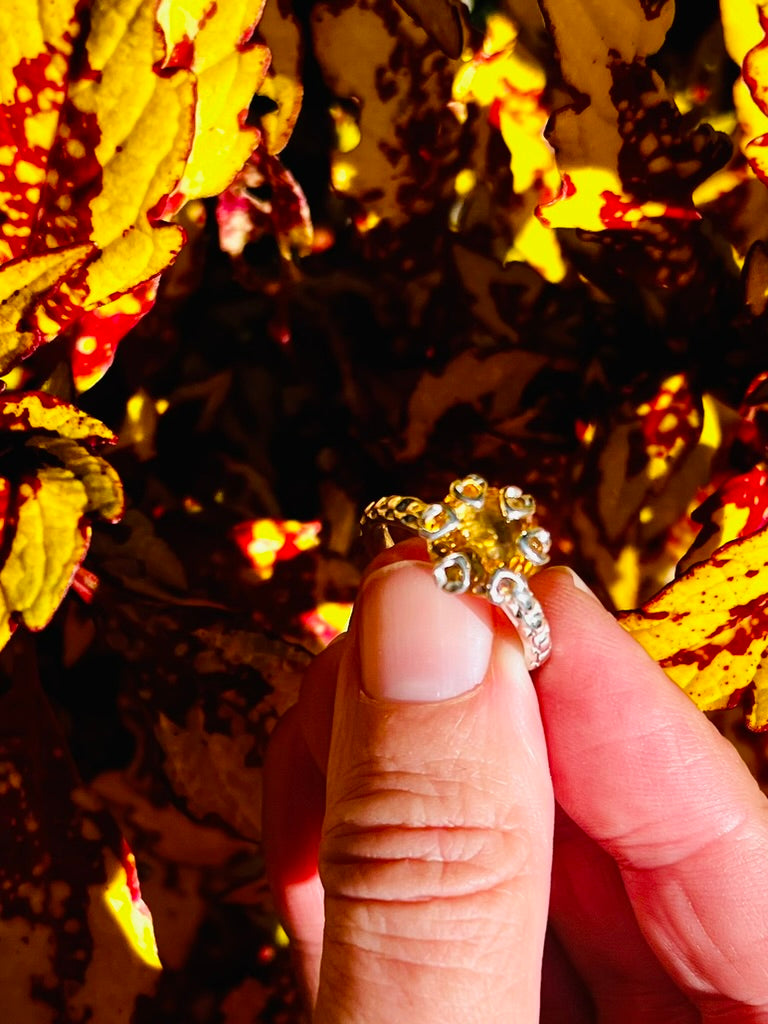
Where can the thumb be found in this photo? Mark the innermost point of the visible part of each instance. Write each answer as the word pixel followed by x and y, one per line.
pixel 435 851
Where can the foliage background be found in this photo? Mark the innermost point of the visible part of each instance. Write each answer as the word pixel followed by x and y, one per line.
pixel 423 325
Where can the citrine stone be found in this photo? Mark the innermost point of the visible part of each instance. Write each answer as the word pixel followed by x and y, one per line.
pixel 471 522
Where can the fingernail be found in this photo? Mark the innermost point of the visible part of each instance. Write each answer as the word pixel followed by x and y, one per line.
pixel 416 642
pixel 577 581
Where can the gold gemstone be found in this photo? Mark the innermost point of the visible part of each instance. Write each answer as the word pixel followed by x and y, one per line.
pixel 473 521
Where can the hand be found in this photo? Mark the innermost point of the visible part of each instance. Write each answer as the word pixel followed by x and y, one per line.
pixel 425 797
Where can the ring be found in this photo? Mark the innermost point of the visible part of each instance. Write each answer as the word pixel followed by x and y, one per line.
pixel 482 540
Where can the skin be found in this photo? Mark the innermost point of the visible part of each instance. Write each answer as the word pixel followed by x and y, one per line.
pixel 580 847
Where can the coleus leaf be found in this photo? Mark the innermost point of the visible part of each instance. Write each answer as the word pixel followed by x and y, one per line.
pixel 441 20
pixel 624 151
pixel 243 217
pixel 212 39
pixel 23 282
pixel 36 410
pixel 77 939
pixel 98 333
pixel 266 541
pixel 643 470
pixel 122 138
pixel 102 134
pixel 510 84
pixel 280 29
pixel 408 153
pixel 738 508
pixel 709 629
pixel 58 481
pixel 745 30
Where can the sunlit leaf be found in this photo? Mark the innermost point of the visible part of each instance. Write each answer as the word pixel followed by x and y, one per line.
pixel 625 153
pixel 36 410
pixel 100 480
pixel 103 133
pixel 38 42
pixel 213 41
pixel 24 282
pixel 328 620
pixel 737 508
pixel 280 29
pixel 59 481
pixel 50 541
pixel 98 333
pixel 510 84
pixel 745 23
pixel 123 139
pixel 408 136
pixel 266 541
pixel 502 77
pixel 643 472
pixel 709 629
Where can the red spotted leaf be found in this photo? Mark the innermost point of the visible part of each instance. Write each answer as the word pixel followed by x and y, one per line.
pixel 643 471
pixel 264 199
pixel 624 150
pixel 59 481
pixel 266 541
pixel 709 629
pixel 98 333
pixel 102 138
pixel 745 28
pixel 407 155
pixel 738 508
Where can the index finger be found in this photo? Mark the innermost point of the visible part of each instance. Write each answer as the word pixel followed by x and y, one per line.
pixel 646 775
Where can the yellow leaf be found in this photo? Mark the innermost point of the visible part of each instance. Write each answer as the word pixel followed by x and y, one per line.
pixel 93 151
pixel 287 93
pixel 401 167
pixel 229 70
pixel 101 481
pixel 141 125
pixel 280 29
pixel 623 148
pixel 105 148
pixel 37 42
pixel 510 84
pixel 708 628
pixel 642 473
pixel 23 282
pixel 49 544
pixel 36 410
pixel 744 31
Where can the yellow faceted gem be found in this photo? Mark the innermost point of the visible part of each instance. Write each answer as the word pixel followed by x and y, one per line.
pixel 479 530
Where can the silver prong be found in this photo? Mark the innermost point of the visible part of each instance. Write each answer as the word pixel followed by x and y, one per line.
pixel 470 489
pixel 505 584
pixel 516 505
pixel 453 573
pixel 433 513
pixel 535 545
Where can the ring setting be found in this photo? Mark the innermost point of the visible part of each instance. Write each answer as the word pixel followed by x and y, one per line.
pixel 481 540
